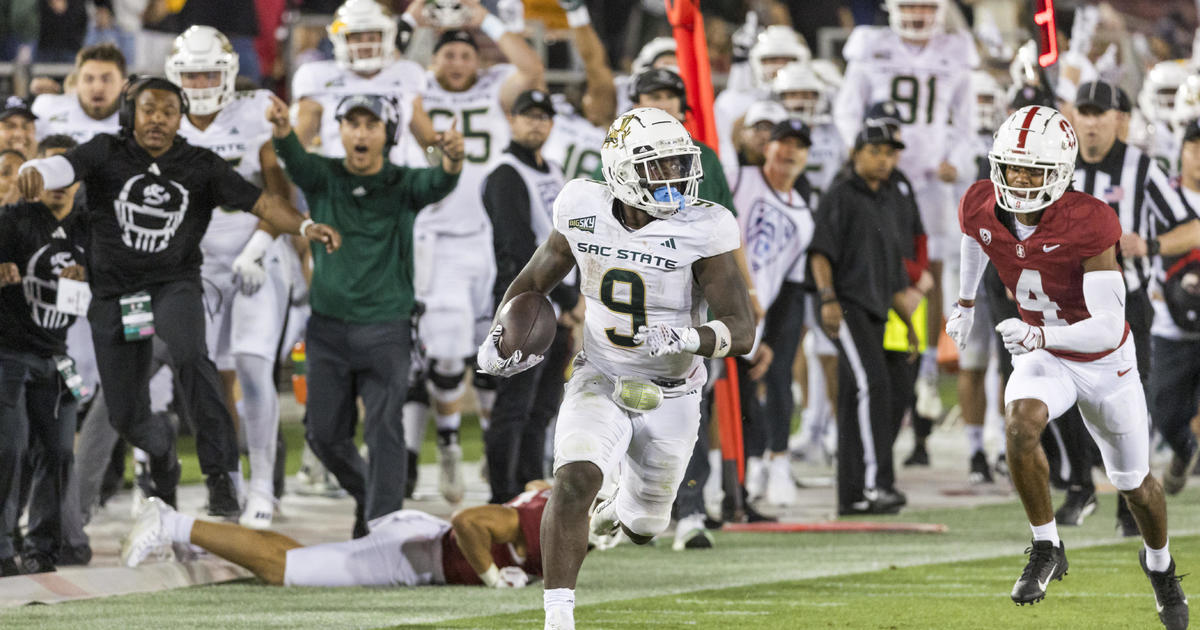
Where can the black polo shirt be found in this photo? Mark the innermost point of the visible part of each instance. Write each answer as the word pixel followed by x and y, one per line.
pixel 864 234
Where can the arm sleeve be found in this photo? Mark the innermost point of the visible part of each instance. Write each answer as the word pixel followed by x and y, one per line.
pixel 230 189
pixel 972 263
pixel 306 170
pixel 56 171
pixel 430 185
pixel 1104 294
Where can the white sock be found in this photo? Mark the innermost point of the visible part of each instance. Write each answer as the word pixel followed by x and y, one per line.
pixel 262 471
pixel 449 422
pixel 558 598
pixel 974 438
pixel 178 526
pixel 1049 532
pixel 413 416
pixel 1158 560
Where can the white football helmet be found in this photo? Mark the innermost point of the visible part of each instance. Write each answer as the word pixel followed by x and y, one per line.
pixel 1157 97
pixel 989 101
pixel 362 16
pixel 649 53
pixel 204 49
pixel 910 24
pixel 1187 102
pixel 447 14
pixel 801 91
pixel 650 161
pixel 1033 137
pixel 776 42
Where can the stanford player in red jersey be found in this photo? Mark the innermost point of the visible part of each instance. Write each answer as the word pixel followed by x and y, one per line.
pixel 1055 250
pixel 493 545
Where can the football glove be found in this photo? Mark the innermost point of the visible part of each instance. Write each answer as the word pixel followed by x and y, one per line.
pixel 662 339
pixel 512 577
pixel 248 270
pixel 489 360
pixel 1020 337
pixel 959 324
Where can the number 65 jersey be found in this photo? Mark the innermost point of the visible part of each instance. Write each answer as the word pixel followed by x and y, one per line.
pixel 640 277
pixel 1045 271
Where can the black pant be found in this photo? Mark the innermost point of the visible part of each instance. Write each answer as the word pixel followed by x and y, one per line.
pixel 779 405
pixel 516 438
pixel 346 361
pixel 1174 389
pixel 902 377
pixel 864 402
pixel 35 407
pixel 750 395
pixel 125 371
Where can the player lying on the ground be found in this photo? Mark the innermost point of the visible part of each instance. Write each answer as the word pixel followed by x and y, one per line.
pixel 1055 249
pixel 495 545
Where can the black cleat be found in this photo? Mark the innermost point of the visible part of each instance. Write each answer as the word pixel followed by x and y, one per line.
pixel 918 457
pixel 1046 563
pixel 74 555
pixel 37 562
pixel 222 498
pixel 8 566
pixel 1169 599
pixel 981 472
pixel 1079 504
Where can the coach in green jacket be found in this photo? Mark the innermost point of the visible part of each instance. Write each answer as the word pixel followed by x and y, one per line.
pixel 362 295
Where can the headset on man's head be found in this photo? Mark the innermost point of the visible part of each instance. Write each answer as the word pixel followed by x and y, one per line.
pixel 133 88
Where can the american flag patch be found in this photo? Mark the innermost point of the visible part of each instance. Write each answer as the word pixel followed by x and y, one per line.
pixel 1113 194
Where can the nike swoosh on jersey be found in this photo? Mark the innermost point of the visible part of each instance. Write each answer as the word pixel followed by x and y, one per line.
pixel 1050 248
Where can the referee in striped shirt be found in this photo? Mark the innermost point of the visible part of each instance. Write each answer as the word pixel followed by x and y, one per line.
pixel 1154 220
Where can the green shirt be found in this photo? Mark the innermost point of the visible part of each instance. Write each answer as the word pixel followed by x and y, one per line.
pixel 713 187
pixel 369 279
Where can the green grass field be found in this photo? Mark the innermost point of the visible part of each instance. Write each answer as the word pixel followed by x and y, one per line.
pixel 960 579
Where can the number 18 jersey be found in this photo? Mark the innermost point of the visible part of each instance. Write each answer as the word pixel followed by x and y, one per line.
pixel 1045 271
pixel 640 277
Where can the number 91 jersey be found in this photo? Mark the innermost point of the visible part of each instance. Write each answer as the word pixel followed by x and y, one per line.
pixel 1045 271
pixel 640 277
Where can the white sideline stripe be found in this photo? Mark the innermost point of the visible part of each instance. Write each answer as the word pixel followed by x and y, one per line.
pixel 864 406
pixel 75 583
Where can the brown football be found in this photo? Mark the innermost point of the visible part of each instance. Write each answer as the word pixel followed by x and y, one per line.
pixel 529 325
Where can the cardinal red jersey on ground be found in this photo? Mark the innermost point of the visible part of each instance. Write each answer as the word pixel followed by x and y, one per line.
pixel 1045 271
pixel 529 507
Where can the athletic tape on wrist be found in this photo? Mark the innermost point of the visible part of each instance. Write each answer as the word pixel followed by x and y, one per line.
pixel 724 340
pixel 304 226
pixel 491 576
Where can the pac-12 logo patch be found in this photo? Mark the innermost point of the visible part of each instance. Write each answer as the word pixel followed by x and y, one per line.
pixel 583 224
pixel 986 235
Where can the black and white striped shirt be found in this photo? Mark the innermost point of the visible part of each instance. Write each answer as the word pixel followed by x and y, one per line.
pixel 1128 180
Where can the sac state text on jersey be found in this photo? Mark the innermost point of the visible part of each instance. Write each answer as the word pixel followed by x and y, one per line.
pixel 40 283
pixel 149 213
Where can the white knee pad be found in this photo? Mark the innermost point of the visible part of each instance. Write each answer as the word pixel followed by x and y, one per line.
pixel 645 504
pixel 1122 433
pixel 445 381
pixel 1127 481
pixel 578 446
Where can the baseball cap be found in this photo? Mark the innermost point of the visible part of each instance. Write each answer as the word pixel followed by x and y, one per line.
pixel 532 98
pixel 658 79
pixel 14 105
pixel 379 106
pixel 764 111
pixel 455 35
pixel 1102 95
pixel 876 132
pixel 1192 131
pixel 884 112
pixel 792 128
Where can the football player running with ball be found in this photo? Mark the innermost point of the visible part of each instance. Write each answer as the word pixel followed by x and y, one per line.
pixel 1055 249
pixel 650 255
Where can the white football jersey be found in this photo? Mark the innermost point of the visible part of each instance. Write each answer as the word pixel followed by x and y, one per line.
pixel 328 83
pixel 62 114
pixel 727 109
pixel 931 87
pixel 776 229
pixel 1157 140
pixel 237 134
pixel 486 134
pixel 640 277
pixel 574 145
pixel 826 157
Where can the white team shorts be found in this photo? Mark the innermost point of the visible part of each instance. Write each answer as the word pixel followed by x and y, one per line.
pixel 655 446
pixel 249 324
pixel 404 548
pixel 1110 398
pixel 219 290
pixel 454 278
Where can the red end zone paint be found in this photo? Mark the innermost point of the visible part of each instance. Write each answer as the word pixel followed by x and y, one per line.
pixel 1044 18
pixel 839 526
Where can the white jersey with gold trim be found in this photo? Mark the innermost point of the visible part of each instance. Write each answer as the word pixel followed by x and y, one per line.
pixel 237 134
pixel 486 134
pixel 62 114
pixel 328 83
pixel 640 277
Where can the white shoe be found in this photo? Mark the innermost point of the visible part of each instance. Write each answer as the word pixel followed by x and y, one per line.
pixel 148 534
pixel 450 479
pixel 756 478
pixel 929 401
pixel 260 509
pixel 690 533
pixel 603 525
pixel 560 619
pixel 781 489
